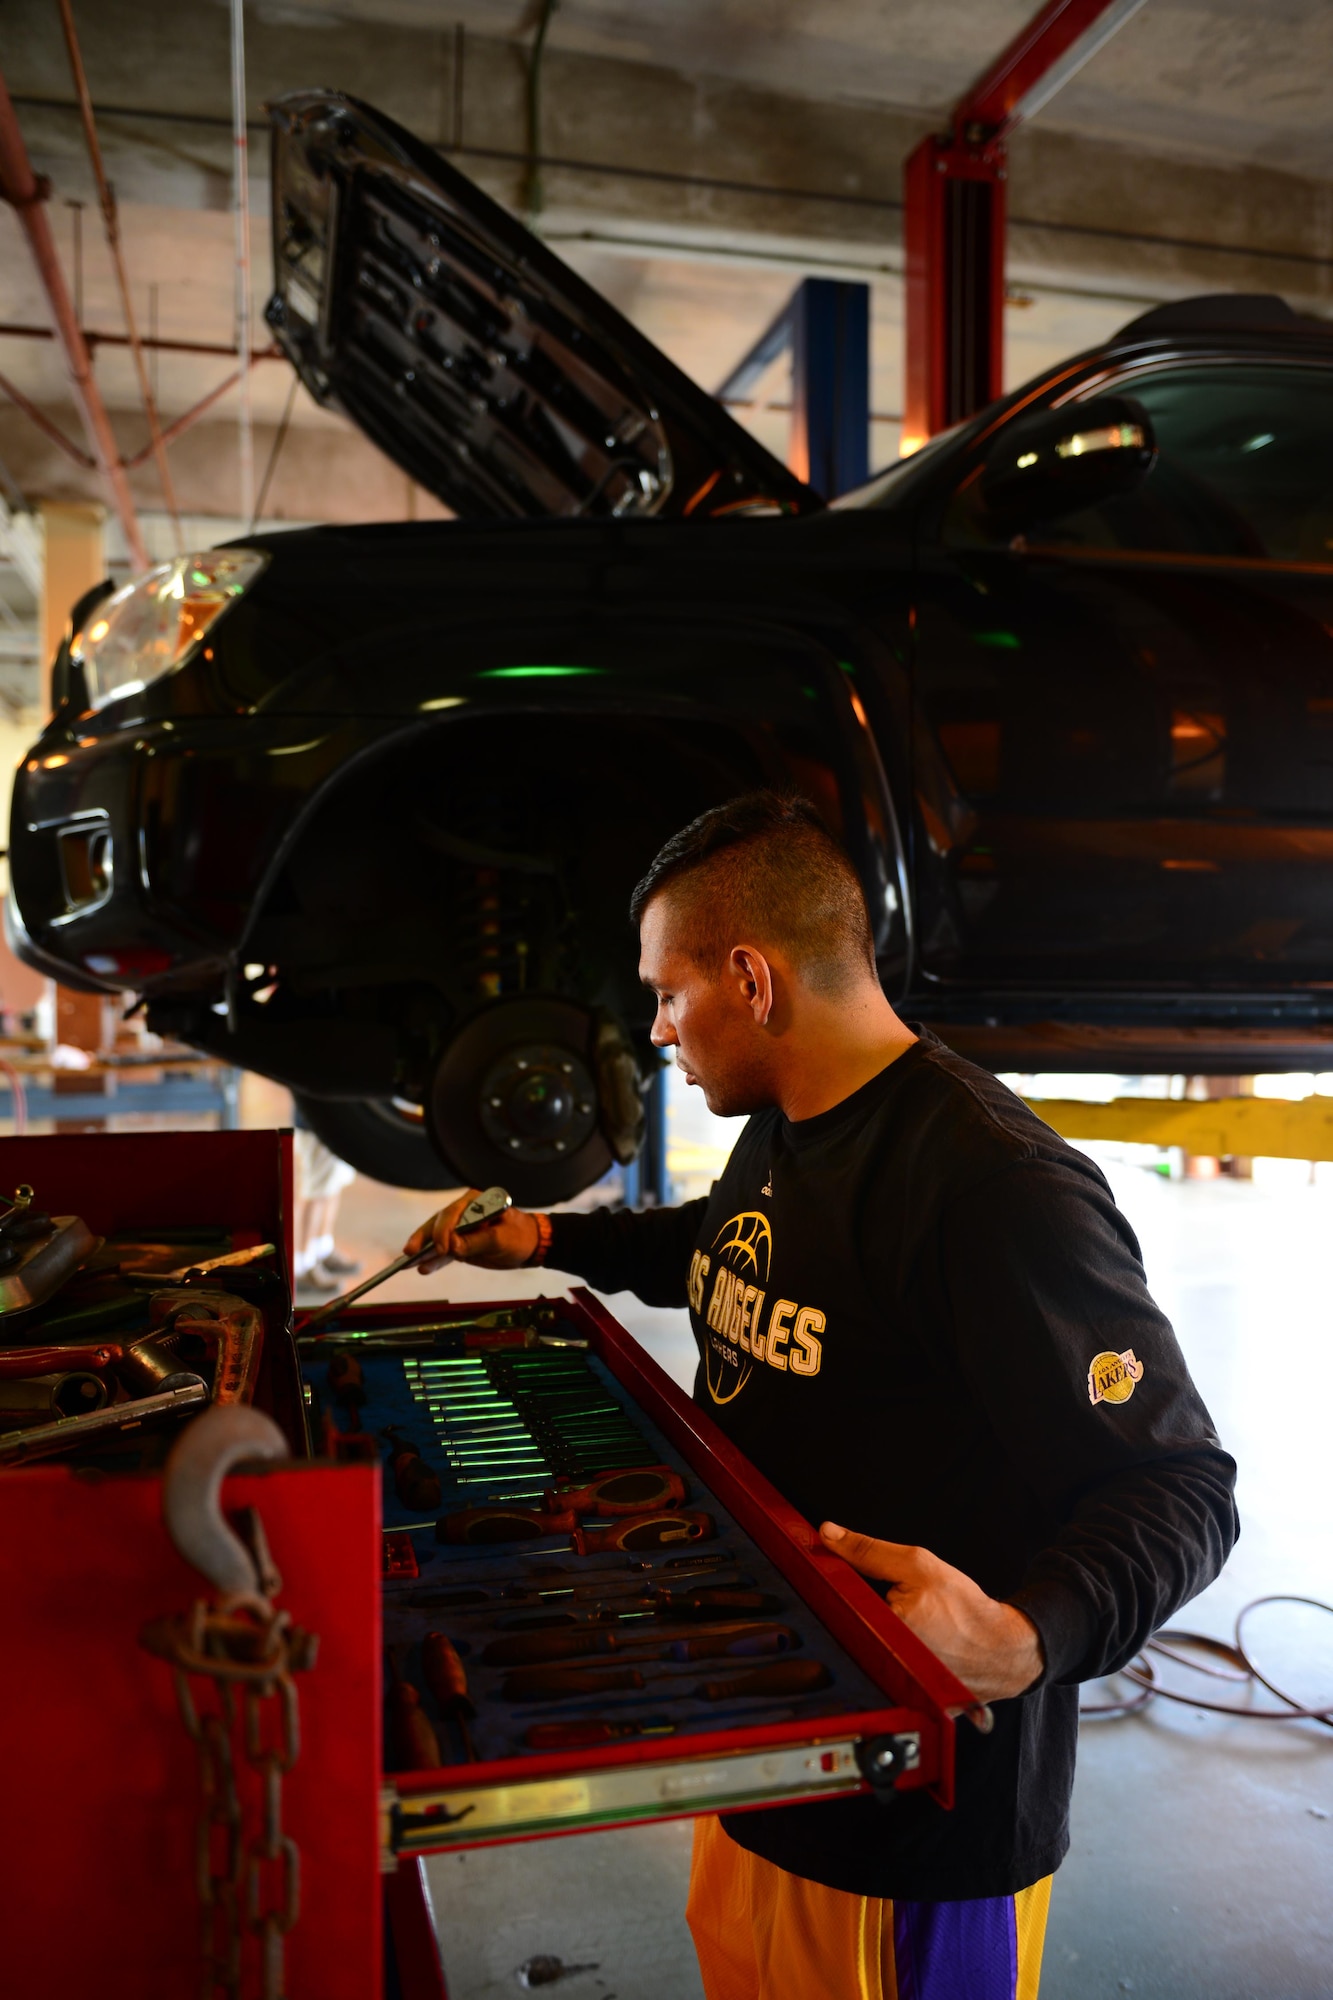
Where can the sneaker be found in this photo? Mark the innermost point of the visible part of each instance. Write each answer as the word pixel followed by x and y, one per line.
pixel 318 1279
pixel 342 1267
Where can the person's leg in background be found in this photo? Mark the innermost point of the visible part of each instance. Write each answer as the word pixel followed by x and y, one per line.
pixel 320 1179
pixel 762 1934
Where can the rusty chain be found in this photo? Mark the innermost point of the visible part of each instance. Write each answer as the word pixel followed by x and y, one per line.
pixel 249 1649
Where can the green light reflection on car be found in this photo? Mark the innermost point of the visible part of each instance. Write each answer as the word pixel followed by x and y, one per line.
pixel 536 673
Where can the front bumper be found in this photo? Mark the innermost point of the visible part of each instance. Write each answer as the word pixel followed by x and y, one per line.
pixel 22 946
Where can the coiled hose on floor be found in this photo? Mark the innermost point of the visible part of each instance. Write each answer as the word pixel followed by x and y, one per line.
pixel 1231 1663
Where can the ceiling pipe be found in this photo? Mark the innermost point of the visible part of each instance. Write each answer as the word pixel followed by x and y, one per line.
pixel 27 196
pixel 245 430
pixel 111 225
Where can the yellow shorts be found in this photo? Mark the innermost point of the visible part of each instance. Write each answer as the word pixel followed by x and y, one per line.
pixel 762 1934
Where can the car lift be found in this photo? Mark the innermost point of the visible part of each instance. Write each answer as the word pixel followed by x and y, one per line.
pixel 825 326
pixel 954 220
pixel 954 231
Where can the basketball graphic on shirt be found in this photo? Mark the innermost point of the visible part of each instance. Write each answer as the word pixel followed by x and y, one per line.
pixel 747 1244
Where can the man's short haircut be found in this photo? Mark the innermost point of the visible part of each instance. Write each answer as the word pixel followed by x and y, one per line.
pixel 764 869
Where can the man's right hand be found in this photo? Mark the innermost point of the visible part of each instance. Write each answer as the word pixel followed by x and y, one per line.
pixel 502 1245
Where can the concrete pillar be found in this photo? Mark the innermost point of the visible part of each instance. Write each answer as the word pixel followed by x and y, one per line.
pixel 75 561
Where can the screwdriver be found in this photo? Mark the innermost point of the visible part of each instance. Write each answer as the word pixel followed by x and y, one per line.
pixel 414 1744
pixel 447 1681
pixel 683 1642
pixel 501 1524
pixel 699 1605
pixel 540 1566
pixel 781 1677
pixel 622 1492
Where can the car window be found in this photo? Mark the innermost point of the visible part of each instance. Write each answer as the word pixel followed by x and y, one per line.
pixel 1244 468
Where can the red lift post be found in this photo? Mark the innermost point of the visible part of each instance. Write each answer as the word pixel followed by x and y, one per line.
pixel 954 186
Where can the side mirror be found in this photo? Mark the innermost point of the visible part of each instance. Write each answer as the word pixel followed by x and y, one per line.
pixel 1057 461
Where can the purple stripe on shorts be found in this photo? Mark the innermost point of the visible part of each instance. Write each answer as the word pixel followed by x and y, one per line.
pixel 956 1951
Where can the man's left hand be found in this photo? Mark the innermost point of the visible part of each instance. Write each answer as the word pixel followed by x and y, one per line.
pixel 992 1647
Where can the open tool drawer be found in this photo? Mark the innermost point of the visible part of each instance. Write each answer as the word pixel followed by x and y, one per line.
pixel 878 1712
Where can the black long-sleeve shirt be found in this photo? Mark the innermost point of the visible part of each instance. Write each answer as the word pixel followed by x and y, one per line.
pixel 921 1315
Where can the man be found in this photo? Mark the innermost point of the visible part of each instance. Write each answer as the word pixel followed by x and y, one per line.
pixel 921 1315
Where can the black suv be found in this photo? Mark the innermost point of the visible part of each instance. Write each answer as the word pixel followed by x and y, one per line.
pixel 360 808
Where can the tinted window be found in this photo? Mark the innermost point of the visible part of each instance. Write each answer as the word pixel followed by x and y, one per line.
pixel 1244 469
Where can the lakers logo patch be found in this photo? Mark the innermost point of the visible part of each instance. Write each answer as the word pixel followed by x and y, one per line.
pixel 1112 1377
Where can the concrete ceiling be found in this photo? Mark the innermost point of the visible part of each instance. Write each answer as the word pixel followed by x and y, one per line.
pixel 1220 80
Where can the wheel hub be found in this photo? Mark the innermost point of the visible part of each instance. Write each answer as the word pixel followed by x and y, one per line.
pixel 537 1102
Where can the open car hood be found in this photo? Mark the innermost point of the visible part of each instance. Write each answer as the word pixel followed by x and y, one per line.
pixel 472 356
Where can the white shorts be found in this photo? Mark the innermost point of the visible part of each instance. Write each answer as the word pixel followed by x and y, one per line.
pixel 319 1173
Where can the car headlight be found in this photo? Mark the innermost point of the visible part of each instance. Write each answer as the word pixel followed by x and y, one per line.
pixel 152 625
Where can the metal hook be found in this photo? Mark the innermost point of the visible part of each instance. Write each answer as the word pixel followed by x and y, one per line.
pixel 200 1460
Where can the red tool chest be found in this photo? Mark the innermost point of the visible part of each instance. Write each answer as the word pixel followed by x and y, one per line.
pixel 103 1794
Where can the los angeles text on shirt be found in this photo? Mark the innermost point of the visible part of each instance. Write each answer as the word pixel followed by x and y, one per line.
pixel 739 1334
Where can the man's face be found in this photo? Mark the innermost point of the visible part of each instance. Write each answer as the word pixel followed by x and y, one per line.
pixel 704 1015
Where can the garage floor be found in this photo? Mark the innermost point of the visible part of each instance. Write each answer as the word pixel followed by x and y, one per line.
pixel 1203 1848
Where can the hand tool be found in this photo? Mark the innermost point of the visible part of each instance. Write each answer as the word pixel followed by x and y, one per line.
pixel 781 1677
pixel 482 1208
pixel 575 1587
pixel 413 1481
pixel 413 1744
pixel 430 1598
pixel 593 1601
pixel 542 1565
pixel 46 1360
pixel 614 1601
pixel 230 1260
pixel 684 1642
pixel 490 1452
pixel 460 1439
pixel 582 1735
pixel 620 1492
pixel 346 1447
pixel 514 1524
pixel 147 1362
pixel 231 1326
pixel 178 1395
pixel 646 1531
pixel 38 1399
pixel 492 1482
pixel 502 1524
pixel 346 1381
pixel 538 1322
pixel 518 1459
pixel 447 1681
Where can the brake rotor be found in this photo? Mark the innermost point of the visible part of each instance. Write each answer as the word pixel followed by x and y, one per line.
pixel 515 1101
